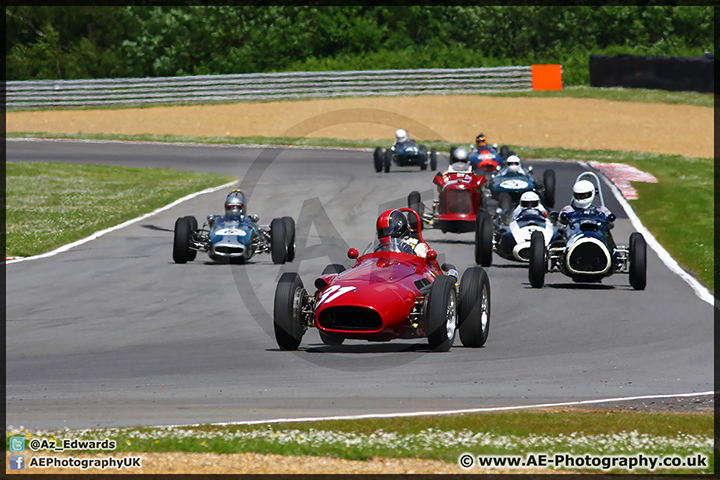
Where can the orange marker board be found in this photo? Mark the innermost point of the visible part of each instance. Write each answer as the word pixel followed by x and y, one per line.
pixel 547 77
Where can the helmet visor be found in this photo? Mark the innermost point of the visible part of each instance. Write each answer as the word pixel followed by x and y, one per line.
pixel 582 195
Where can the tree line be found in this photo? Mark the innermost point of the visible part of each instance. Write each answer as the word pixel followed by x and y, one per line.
pixel 150 41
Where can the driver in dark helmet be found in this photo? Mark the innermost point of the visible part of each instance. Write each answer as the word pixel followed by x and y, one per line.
pixel 394 234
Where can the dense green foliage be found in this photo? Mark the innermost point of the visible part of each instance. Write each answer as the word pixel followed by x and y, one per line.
pixel 139 41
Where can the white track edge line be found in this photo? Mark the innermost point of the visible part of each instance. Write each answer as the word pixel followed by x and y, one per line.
pixel 441 412
pixel 100 233
pixel 700 290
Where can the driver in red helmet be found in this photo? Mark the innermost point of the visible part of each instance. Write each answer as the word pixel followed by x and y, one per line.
pixel 394 234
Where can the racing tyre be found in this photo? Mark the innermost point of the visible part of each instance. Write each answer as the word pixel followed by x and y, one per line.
pixel 474 307
pixel 549 182
pixel 278 240
pixel 414 201
pixel 441 319
pixel 193 227
pixel 290 298
pixel 452 150
pixel 505 203
pixel 328 339
pixel 378 159
pixel 290 235
pixel 504 151
pixel 536 271
pixel 181 241
pixel 333 268
pixel 423 157
pixel 387 160
pixel 638 261
pixel 433 159
pixel 483 239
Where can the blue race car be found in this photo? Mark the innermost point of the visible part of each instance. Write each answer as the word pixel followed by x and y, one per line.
pixel 511 181
pixel 404 152
pixel 485 159
pixel 234 237
pixel 585 250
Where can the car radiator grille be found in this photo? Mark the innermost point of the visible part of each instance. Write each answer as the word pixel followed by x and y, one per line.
pixel 459 201
pixel 350 318
pixel 588 257
pixel 225 250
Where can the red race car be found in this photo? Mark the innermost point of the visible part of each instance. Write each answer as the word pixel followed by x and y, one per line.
pixel 460 208
pixel 396 289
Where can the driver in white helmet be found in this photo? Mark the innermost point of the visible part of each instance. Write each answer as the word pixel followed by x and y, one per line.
pixel 401 136
pixel 583 196
pixel 460 162
pixel 529 204
pixel 514 165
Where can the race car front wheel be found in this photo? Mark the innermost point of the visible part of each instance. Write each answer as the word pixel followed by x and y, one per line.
pixel 378 159
pixel 433 159
pixel 474 307
pixel 441 320
pixel 549 184
pixel 193 227
pixel 181 241
pixel 536 270
pixel 387 160
pixel 278 240
pixel 290 298
pixel 483 239
pixel 638 261
pixel 290 234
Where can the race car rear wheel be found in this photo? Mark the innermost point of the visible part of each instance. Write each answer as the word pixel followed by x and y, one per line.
pixel 278 241
pixel 290 234
pixel 433 159
pixel 290 298
pixel 415 201
pixel 536 270
pixel 638 261
pixel 378 159
pixel 331 339
pixel 505 203
pixel 333 268
pixel 423 157
pixel 505 151
pixel 483 239
pixel 474 307
pixel 387 160
pixel 441 319
pixel 181 241
pixel 549 183
pixel 193 227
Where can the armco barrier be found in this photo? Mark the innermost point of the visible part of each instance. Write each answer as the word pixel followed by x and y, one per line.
pixel 271 86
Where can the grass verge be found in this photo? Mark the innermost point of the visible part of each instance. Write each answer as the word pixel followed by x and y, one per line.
pixel 575 432
pixel 678 210
pixel 52 204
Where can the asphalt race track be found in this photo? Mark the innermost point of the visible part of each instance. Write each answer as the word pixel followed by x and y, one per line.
pixel 113 333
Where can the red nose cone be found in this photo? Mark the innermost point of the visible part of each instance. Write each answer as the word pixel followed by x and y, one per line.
pixel 353 253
